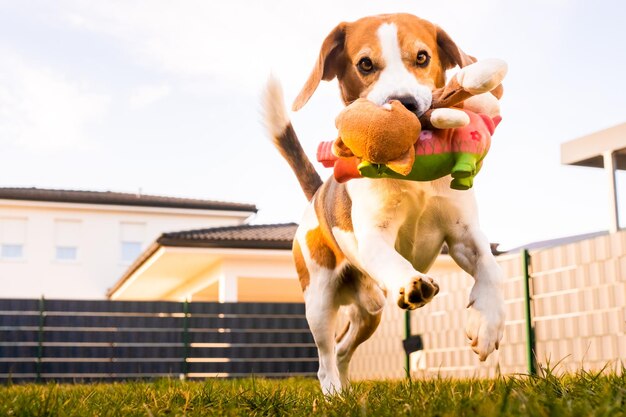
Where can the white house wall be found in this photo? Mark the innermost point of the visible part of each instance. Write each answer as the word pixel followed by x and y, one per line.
pixel 208 277
pixel 98 265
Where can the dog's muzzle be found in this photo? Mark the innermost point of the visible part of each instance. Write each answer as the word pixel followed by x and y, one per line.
pixel 410 103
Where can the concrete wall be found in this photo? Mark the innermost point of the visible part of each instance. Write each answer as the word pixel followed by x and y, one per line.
pixel 231 275
pixel 579 316
pixel 99 263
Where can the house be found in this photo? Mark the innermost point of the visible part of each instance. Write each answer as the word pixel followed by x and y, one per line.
pixel 76 244
pixel 603 149
pixel 226 264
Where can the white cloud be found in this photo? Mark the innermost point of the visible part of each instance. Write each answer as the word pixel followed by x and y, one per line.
pixel 42 109
pixel 145 95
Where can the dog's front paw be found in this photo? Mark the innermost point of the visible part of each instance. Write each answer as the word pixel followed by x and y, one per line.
pixel 485 320
pixel 417 293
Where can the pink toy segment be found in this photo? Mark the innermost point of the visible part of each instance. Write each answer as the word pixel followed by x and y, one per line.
pixel 325 154
pixel 474 138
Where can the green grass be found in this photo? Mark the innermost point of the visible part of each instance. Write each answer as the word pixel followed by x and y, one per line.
pixel 583 394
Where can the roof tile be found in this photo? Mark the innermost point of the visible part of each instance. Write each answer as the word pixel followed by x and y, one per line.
pixel 267 236
pixel 122 199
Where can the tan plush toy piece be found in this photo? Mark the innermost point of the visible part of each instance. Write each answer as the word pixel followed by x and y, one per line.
pixel 387 134
pixel 379 134
pixel 476 87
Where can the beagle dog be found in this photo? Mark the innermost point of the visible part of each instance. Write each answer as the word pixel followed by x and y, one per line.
pixel 361 240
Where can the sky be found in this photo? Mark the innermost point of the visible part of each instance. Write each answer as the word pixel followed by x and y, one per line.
pixel 164 97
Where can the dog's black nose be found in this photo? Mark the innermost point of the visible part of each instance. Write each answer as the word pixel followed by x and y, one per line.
pixel 407 101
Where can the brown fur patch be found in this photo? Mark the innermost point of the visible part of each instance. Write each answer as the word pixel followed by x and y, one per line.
pixel 335 204
pixel 301 269
pixel 319 249
pixel 332 208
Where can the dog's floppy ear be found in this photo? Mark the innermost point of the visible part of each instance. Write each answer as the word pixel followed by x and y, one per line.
pixel 450 54
pixel 327 65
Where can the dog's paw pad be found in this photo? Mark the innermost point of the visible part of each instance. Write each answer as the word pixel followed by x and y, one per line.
pixel 417 293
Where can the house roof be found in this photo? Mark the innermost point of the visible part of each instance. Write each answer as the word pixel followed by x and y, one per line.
pixel 246 236
pixel 119 199
pixel 588 150
pixel 259 236
pixel 545 244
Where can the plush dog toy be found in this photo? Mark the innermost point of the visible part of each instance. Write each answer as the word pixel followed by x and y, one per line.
pixel 378 134
pixel 388 141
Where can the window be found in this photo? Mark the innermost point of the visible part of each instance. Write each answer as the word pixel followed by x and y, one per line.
pixel 67 237
pixel 131 240
pixel 130 251
pixel 12 251
pixel 12 238
pixel 66 253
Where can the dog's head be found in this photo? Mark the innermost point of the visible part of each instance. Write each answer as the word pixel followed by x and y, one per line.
pixel 395 56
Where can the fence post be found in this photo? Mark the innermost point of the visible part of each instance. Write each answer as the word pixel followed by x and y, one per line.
pixel 185 337
pixel 40 336
pixel 530 331
pixel 407 334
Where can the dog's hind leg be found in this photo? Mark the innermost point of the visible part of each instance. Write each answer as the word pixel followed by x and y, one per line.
pixel 364 314
pixel 319 285
pixel 321 314
pixel 361 326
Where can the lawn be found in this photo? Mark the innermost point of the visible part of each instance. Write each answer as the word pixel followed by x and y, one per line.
pixel 583 394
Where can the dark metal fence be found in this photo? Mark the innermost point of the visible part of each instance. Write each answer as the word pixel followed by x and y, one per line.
pixel 103 340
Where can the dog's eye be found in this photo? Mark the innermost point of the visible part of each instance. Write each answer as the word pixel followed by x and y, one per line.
pixel 422 59
pixel 365 65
